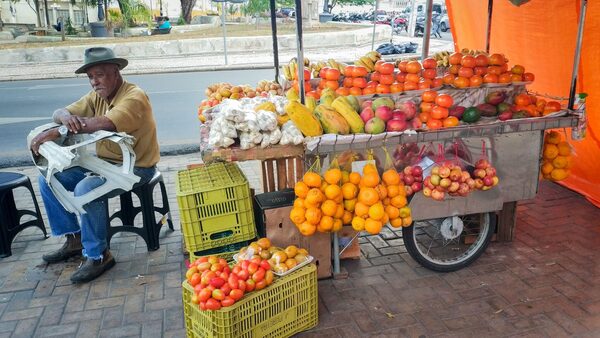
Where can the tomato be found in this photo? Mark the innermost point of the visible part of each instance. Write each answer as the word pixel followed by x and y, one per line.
pixel 228 301
pixel 425 84
pixel 409 85
pixel 195 279
pixel 444 100
pixel 348 82
pixel 203 266
pixel 226 289
pixel 465 72
pixel 236 294
pixel 448 78
pixel 213 304
pixel 241 285
pixel 517 69
pixel 382 89
pixel 396 87
pixel 217 282
pixel 194 299
pixel 378 65
pixel 475 81
pixel 402 66
pixel 490 78
pixel 265 265
pixel 244 275
pixel 424 117
pixel 401 77
pixel 224 275
pixel 198 287
pixel 497 60
pixel 434 124
pixel 359 82
pixel 190 272
pixel 468 61
pixel 386 68
pixel 218 294
pixel 333 84
pixel 429 73
pixel 439 113
pixel 437 82
pixel 461 82
pixel 516 78
pixel 386 79
pixel 494 70
pixel 505 78
pixel 343 91
pixel 332 74
pixel 355 91
pixel 212 259
pixel 454 69
pixel 523 100
pixel 480 71
pixel 429 96
pixel 455 58
pixel 269 277
pixel 528 77
pixel 204 294
pixel 201 259
pixel 426 107
pixel 216 267
pixel 261 285
pixel 236 269
pixel 253 267
pixel 259 275
pixel 429 63
pixel 369 90
pixel 413 67
pixel 250 285
pixel 375 76
pixel 410 77
pixel 314 94
pixel 359 71
pixel 202 306
pixel 322 72
pixel 482 60
pixel 306 75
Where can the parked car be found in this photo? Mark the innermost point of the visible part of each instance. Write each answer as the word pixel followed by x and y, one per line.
pixel 445 23
pixel 287 12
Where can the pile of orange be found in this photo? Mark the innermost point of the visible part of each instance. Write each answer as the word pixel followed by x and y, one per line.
pixel 434 110
pixel 380 200
pixel 355 81
pixel 319 203
pixel 474 70
pixel 535 107
pixel 414 76
pixel 556 157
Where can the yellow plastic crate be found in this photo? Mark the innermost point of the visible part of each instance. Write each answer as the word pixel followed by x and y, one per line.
pixel 215 206
pixel 228 256
pixel 284 308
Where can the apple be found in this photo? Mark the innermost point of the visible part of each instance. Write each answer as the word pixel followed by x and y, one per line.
pixel 398 114
pixel 427 183
pixel 427 191
pixel 366 104
pixel 437 195
pixel 409 179
pixel 435 170
pixel 456 111
pixel 463 189
pixel 444 172
pixel 495 179
pixel 470 182
pixel 455 174
pixel 488 181
pixel 479 173
pixel 384 113
pixel 445 182
pixel 409 190
pixel 416 123
pixel 435 180
pixel 416 171
pixel 409 108
pixel 465 176
pixel 407 170
pixel 396 125
pixel 482 163
pixel 375 126
pixel 478 183
pixel 401 174
pixel 453 186
pixel 416 186
pixel 490 171
pixel 418 178
pixel 366 114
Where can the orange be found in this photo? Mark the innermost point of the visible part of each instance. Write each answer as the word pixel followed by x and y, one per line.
pixel 373 226
pixel 312 179
pixel 333 191
pixel 370 180
pixel 450 121
pixel 381 191
pixel 313 216
pixel 328 208
pixel 426 107
pixel 370 168
pixel 349 191
pixel 393 190
pixel 297 215
pixel 376 211
pixel 361 209
pixel 550 151
pixel 553 137
pixel 339 212
pixel 358 224
pixel 404 212
pixel 439 113
pixel 368 196
pixel 314 197
pixel 339 199
pixel 350 204
pixel 347 218
pixel 560 162
pixel 324 186
pixel 337 225
pixel 354 178
pixel 385 219
pixel 407 221
pixel 398 201
pixel 564 149
pixel 333 176
pixel 396 222
pixel 386 201
pixel 391 177
pixel 434 124
pixel 301 189
pixel 299 203
pixel 547 168
pixel 559 174
pixel 342 91
pixel 307 229
pixel 345 175
pixel 326 224
pixel 392 212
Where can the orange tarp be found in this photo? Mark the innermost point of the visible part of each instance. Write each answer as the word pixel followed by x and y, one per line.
pixel 541 35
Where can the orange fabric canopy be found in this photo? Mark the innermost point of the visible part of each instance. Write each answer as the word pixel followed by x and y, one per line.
pixel 542 35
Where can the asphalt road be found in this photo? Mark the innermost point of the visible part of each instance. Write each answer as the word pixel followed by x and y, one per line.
pixel 175 97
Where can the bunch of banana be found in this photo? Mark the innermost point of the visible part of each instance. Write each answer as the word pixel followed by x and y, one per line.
pixel 368 60
pixel 467 51
pixel 337 65
pixel 292 68
pixel 442 58
pixel 316 68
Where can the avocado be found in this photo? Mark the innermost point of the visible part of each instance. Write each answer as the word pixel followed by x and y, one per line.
pixel 471 115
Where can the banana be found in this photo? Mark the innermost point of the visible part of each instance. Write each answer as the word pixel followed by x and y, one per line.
pixel 374 56
pixel 360 63
pixel 306 62
pixel 286 72
pixel 368 62
pixel 332 63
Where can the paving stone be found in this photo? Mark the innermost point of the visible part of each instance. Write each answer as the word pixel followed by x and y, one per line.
pixel 385 259
pixel 25 328
pixel 122 331
pixel 58 330
pixel 377 241
pixel 22 314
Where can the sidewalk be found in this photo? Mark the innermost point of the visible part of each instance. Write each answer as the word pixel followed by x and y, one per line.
pixel 544 284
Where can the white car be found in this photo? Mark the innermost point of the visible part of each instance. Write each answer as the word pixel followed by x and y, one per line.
pixel 444 23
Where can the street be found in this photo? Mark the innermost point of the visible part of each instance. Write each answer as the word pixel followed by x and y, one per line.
pixel 174 96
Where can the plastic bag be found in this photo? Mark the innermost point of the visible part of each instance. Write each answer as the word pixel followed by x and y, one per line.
pixel 270 138
pixel 412 174
pixel 290 134
pixel 556 157
pixel 484 173
pixel 267 121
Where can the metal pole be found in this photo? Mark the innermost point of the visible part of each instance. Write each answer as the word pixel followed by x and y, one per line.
pixel 300 48
pixel 577 54
pixel 224 30
pixel 489 26
pixel 413 19
pixel 374 25
pixel 274 33
pixel 427 30
pixel 336 254
pixel 48 25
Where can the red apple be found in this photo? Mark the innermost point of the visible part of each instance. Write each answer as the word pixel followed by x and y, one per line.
pixel 453 187
pixel 427 182
pixel 416 123
pixel 478 183
pixel 416 186
pixel 384 113
pixel 437 195
pixel 482 163
pixel 444 172
pixel 367 114
pixel 396 125
pixel 435 170
pixel 495 179
pixel 408 190
pixel 479 173
pixel 409 179
pixel 409 108
pixel 488 181
pixel 416 171
pixel 490 171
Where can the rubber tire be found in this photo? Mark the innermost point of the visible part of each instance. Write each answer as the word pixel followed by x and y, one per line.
pixel 411 248
pixel 443 27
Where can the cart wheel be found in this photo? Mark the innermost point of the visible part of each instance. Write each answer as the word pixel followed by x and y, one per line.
pixel 451 243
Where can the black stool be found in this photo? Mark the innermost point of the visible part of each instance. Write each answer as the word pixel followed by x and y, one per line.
pixel 150 228
pixel 10 216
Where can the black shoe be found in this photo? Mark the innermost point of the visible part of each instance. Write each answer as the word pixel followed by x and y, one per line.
pixel 92 268
pixel 71 248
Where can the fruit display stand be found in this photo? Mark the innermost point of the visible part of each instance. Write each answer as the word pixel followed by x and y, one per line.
pixel 513 147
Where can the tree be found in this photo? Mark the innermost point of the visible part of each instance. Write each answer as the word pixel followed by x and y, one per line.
pixel 256 8
pixel 186 9
pixel 330 4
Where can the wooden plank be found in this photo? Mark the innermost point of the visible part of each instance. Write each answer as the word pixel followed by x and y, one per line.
pixel 265 181
pixel 237 154
pixel 290 172
pixel 281 174
pixel 299 168
pixel 270 176
pixel 507 220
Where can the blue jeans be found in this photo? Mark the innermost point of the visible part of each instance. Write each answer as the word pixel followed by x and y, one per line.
pixel 94 223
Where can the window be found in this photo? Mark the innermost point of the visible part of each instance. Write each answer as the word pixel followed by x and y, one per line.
pixel 78 17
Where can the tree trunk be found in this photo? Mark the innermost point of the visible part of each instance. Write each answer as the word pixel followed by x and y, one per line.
pixel 186 9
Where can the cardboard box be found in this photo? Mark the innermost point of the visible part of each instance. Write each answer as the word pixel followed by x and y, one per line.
pixel 272 211
pixel 347 236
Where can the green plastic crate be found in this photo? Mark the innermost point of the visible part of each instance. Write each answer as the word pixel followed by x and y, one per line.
pixel 225 252
pixel 284 308
pixel 215 207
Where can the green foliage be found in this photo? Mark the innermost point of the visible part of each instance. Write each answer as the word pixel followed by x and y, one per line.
pixel 69 29
pixel 134 12
pixel 115 17
pixel 181 21
pixel 256 7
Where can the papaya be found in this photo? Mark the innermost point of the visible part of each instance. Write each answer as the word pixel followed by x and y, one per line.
pixel 304 119
pixel 331 120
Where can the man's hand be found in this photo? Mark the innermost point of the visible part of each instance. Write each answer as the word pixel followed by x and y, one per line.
pixel 48 135
pixel 73 122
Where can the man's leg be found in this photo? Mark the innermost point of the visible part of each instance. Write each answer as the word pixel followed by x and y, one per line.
pixel 61 221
